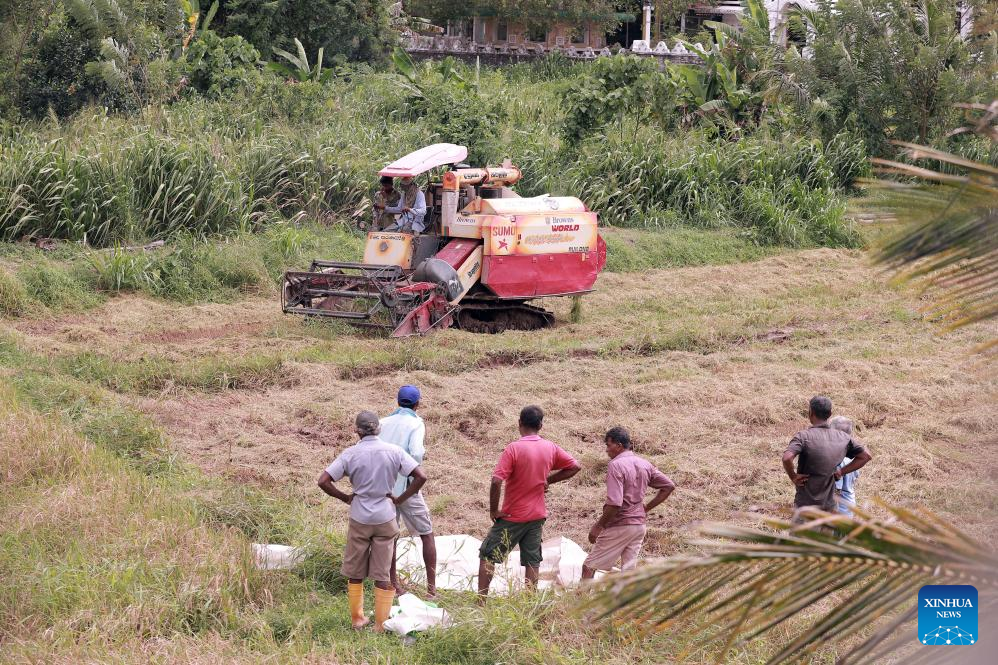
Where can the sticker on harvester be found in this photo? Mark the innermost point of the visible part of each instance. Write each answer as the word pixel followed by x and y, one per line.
pixel 947 615
pixel 571 233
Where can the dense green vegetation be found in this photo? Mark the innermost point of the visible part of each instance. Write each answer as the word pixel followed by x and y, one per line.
pixel 144 119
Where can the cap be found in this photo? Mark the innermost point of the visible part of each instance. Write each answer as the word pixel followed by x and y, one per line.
pixel 408 395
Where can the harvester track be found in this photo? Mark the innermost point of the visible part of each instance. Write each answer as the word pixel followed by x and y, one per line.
pixel 495 316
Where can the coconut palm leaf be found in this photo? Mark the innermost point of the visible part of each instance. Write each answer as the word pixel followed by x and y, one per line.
pixel 754 580
pixel 949 241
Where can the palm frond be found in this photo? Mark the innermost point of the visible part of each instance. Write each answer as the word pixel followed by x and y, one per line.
pixel 949 240
pixel 755 579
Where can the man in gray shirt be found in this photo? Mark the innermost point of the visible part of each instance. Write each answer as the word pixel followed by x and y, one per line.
pixel 820 448
pixel 372 466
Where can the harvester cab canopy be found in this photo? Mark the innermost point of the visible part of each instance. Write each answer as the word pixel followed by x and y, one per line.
pixel 424 159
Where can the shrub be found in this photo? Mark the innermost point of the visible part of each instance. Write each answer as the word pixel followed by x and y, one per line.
pixel 216 65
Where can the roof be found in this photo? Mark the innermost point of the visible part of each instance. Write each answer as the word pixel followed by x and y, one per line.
pixel 425 159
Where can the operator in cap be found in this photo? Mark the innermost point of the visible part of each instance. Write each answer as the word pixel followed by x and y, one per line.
pixel 406 430
pixel 411 208
pixel 372 466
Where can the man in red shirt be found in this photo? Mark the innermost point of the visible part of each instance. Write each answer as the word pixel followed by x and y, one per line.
pixel 524 466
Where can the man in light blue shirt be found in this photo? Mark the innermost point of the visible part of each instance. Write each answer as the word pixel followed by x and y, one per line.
pixel 845 487
pixel 411 208
pixel 405 429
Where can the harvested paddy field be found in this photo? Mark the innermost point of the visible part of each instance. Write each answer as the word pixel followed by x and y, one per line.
pixel 710 367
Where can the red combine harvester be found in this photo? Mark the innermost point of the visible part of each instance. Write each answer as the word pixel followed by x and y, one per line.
pixel 484 254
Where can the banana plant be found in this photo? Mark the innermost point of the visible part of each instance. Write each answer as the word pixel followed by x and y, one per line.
pixel 301 70
pixel 194 20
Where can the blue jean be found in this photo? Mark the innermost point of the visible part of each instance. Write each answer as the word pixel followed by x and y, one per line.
pixel 846 500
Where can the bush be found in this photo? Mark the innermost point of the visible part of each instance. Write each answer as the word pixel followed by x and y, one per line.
pixel 216 65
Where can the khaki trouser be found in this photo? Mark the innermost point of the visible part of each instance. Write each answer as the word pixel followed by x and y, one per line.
pixel 617 543
pixel 369 551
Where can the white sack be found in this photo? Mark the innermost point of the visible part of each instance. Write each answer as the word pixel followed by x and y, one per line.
pixel 277 557
pixel 457 564
pixel 412 615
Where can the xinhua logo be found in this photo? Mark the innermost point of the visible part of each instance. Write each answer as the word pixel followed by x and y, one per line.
pixel 947 615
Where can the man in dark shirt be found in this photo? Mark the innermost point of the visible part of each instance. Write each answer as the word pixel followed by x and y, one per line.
pixel 821 448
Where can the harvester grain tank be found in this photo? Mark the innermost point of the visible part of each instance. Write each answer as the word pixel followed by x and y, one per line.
pixel 485 254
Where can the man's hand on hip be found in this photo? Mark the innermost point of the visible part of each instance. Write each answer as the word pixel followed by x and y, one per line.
pixel 800 478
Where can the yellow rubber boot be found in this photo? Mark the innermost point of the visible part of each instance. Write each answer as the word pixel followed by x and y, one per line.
pixel 382 607
pixel 355 593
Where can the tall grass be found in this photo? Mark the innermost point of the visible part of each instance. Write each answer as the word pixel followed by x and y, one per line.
pixel 311 152
pixel 94 547
pixel 776 191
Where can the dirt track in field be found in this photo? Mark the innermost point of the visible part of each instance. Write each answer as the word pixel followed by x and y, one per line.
pixel 710 367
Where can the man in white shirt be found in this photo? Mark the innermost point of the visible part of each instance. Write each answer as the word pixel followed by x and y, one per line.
pixel 411 208
pixel 373 466
pixel 406 430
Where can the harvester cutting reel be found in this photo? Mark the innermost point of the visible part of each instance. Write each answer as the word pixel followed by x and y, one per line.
pixel 372 296
pixel 406 303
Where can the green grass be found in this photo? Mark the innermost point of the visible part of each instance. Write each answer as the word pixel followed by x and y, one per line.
pixel 154 374
pixel 35 283
pixel 631 251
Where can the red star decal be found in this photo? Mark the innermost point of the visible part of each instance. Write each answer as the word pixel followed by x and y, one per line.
pixel 503 244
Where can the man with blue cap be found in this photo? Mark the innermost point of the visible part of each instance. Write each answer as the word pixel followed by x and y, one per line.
pixel 406 430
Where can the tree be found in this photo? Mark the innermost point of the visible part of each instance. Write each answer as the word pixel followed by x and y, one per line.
pixel 754 580
pixel 891 69
pixel 344 29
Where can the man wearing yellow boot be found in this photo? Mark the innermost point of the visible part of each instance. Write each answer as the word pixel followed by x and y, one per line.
pixel 372 466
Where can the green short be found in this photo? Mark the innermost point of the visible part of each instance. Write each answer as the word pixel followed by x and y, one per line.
pixel 505 535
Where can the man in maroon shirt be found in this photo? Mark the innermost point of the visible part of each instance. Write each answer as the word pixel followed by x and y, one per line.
pixel 524 466
pixel 620 530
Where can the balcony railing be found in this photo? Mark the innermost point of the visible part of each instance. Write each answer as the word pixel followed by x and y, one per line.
pixel 423 44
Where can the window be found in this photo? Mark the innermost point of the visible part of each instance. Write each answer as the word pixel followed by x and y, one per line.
pixel 502 31
pixel 462 28
pixel 479 30
pixel 537 33
pixel 579 34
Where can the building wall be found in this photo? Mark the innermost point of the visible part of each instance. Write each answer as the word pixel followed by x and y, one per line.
pixel 486 30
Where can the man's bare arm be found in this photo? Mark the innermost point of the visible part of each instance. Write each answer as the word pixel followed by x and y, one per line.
pixel 797 479
pixel 856 464
pixel 563 474
pixel 609 512
pixel 663 494
pixel 418 480
pixel 327 485
pixel 495 493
